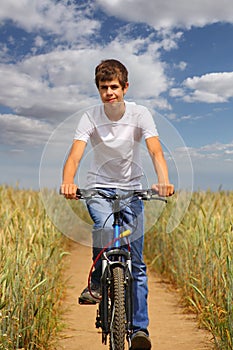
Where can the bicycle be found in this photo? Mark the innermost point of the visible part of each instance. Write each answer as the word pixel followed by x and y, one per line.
pixel 115 311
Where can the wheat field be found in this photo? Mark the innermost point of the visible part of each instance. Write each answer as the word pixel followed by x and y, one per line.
pixel 31 254
pixel 196 257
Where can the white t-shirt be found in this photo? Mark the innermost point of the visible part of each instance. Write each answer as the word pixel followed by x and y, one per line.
pixel 116 145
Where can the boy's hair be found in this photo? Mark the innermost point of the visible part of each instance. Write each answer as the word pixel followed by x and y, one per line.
pixel 111 69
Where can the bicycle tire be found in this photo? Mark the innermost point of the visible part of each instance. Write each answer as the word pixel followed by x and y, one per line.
pixel 117 316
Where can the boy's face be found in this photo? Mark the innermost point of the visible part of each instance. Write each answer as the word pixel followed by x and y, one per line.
pixel 112 91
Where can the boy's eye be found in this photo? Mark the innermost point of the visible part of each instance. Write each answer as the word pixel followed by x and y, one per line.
pixel 105 87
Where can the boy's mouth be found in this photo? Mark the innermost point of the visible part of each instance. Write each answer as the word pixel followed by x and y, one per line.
pixel 112 100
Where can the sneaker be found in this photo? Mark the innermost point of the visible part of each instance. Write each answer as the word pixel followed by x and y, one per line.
pixel 140 341
pixel 90 298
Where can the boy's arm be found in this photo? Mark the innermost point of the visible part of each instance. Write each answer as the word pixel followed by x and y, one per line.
pixel 68 188
pixel 155 149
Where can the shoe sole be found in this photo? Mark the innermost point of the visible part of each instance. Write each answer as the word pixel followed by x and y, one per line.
pixel 84 301
pixel 140 343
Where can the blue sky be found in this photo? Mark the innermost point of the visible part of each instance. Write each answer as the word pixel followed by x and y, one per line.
pixel 180 60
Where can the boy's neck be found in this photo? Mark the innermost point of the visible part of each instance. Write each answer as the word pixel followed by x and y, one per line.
pixel 114 111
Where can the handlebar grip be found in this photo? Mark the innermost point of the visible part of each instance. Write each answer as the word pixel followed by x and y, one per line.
pixel 85 194
pixel 78 193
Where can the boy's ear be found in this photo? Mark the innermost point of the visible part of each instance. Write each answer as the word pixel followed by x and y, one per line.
pixel 126 87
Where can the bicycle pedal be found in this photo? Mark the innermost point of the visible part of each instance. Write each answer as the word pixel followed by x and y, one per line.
pixel 82 301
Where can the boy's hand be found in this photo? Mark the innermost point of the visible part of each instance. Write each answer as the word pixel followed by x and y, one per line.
pixel 164 190
pixel 69 190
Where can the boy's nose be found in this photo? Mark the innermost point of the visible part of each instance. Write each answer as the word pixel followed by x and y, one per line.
pixel 109 91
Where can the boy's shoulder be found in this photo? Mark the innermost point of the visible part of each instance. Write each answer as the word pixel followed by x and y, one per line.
pixel 95 111
pixel 98 108
pixel 134 107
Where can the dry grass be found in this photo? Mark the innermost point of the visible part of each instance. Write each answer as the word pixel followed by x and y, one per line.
pixel 31 252
pixel 198 258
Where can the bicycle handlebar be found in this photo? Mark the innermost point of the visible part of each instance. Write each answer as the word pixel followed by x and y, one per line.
pixel 147 194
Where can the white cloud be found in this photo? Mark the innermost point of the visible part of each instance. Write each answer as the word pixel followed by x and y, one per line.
pixel 3 52
pixel 181 65
pixel 17 130
pixel 176 92
pixel 170 13
pixel 39 41
pixel 48 86
pixel 61 82
pixel 218 147
pixel 210 88
pixel 217 151
pixel 71 22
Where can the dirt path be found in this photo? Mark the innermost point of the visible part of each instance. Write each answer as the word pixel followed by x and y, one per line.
pixel 169 328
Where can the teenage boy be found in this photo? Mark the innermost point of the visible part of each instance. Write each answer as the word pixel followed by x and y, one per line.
pixel 115 129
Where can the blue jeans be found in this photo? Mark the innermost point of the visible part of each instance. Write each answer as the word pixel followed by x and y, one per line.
pixel 132 218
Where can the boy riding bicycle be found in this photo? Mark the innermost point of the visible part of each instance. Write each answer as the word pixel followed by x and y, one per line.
pixel 115 130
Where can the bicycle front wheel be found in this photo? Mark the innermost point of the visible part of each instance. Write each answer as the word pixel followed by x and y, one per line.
pixel 117 317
